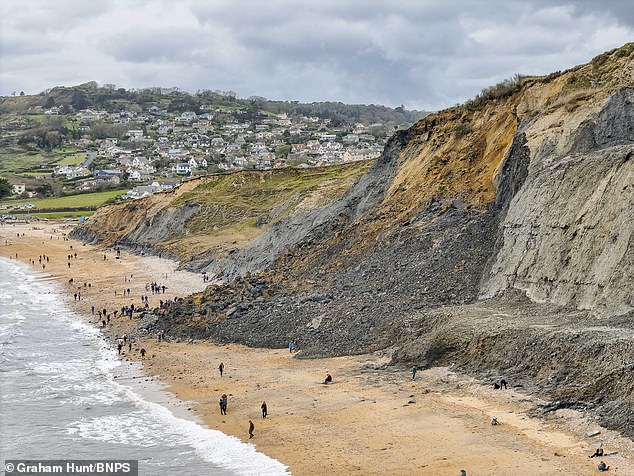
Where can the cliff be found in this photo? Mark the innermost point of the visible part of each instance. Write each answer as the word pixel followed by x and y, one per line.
pixel 495 236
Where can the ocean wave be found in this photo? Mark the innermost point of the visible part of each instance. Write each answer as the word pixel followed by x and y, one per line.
pixel 84 378
pixel 212 445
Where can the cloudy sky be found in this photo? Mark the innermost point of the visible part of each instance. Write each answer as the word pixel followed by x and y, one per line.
pixel 425 54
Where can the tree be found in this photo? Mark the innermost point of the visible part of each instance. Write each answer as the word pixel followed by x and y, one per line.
pixel 282 151
pixel 45 190
pixel 53 139
pixel 5 188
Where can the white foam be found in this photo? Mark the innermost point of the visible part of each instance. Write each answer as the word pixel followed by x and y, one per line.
pixel 152 424
pixel 212 445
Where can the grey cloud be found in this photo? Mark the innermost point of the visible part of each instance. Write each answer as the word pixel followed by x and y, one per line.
pixel 173 45
pixel 423 53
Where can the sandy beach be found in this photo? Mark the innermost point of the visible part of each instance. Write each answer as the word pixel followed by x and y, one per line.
pixel 373 418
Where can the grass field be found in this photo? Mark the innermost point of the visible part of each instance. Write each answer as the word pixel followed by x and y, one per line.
pixel 35 174
pixel 20 162
pixel 77 158
pixel 85 201
pixel 58 215
pixel 67 150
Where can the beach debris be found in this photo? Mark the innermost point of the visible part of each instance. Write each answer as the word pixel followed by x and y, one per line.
pixel 590 434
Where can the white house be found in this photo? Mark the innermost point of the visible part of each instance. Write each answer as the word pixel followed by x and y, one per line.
pixel 182 168
pixel 134 133
pixel 138 176
pixel 141 192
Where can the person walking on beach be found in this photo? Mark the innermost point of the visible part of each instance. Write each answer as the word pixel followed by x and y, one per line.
pixel 119 347
pixel 143 352
pixel 264 409
pixel 251 428
pixel 221 368
pixel 290 347
pixel 414 370
pixel 223 404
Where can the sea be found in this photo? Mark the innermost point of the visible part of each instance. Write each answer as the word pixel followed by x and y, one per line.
pixel 59 398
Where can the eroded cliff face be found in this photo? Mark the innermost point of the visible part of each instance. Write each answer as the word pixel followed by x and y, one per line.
pixel 567 235
pixel 529 192
pixel 496 236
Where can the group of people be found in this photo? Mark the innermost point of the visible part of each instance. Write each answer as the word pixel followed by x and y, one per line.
pixel 223 403
pixel 598 453
pixel 155 288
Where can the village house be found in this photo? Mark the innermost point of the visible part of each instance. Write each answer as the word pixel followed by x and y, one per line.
pixel 71 172
pixel 166 185
pixel 181 168
pixel 187 116
pixel 134 134
pixel 141 191
pixel 107 176
pixel 139 176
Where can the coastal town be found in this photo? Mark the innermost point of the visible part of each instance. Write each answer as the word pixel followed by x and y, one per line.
pixel 150 149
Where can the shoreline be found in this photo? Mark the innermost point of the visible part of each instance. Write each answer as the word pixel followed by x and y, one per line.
pixel 372 420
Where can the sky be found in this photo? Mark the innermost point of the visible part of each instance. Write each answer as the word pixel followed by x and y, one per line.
pixel 423 54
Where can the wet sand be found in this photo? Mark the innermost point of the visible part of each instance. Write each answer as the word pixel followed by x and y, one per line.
pixel 373 419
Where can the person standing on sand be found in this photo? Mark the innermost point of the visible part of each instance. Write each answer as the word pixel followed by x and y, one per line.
pixel 414 370
pixel 251 428
pixel 221 368
pixel 264 409
pixel 143 352
pixel 223 404
pixel 290 347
